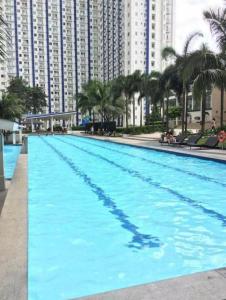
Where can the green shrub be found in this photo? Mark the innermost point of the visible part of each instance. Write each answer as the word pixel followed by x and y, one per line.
pixel 141 130
pixel 77 128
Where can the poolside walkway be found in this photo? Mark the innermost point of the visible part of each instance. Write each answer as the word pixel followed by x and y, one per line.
pixel 151 141
pixel 13 237
pixel 209 285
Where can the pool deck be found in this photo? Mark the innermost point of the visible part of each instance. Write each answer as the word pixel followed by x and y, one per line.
pixel 209 285
pixel 152 143
pixel 13 237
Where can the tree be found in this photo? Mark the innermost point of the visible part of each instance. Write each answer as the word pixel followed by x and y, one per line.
pixel 35 100
pixel 32 99
pixel 85 100
pixel 10 107
pixel 165 86
pixel 217 22
pixel 203 66
pixel 149 88
pixel 135 81
pixel 108 104
pixel 124 86
pixel 18 87
pixel 101 99
pixel 174 112
pixel 180 63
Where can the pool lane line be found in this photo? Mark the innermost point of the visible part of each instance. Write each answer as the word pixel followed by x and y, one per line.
pixel 149 180
pixel 202 177
pixel 139 240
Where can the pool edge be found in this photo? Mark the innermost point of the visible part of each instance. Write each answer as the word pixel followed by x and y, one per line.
pixel 13 236
pixel 204 285
pixel 175 151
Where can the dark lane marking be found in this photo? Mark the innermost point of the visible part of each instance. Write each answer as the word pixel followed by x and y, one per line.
pixel 139 240
pixel 202 177
pixel 150 181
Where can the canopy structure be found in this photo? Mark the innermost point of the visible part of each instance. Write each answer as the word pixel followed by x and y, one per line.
pixel 9 129
pixel 63 116
pixel 11 126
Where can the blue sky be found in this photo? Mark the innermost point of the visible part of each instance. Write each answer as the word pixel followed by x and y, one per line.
pixel 189 19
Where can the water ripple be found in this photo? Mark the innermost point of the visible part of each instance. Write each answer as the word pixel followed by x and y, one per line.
pixel 149 180
pixel 139 240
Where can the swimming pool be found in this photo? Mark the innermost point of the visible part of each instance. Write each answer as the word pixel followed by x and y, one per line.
pixel 104 216
pixel 11 154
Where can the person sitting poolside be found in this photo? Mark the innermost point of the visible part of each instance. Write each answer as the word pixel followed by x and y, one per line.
pixel 170 137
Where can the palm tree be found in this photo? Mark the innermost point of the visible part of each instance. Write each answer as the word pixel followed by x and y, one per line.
pixel 217 22
pixel 124 86
pixel 203 66
pixel 142 93
pixel 180 62
pixel 149 88
pixel 166 85
pixel 135 80
pixel 86 100
pixel 101 95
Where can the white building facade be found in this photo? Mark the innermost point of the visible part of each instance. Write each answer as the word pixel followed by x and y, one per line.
pixel 54 45
pixel 3 64
pixel 134 32
pixel 61 44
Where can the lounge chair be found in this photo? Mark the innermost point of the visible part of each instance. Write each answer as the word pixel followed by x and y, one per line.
pixel 179 140
pixel 193 139
pixel 211 142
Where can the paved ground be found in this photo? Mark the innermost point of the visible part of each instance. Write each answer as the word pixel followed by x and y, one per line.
pixel 3 195
pixel 13 237
pixel 200 286
pixel 151 141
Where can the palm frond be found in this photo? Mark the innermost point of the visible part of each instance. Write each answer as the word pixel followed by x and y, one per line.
pixel 190 38
pixel 169 52
pixel 217 22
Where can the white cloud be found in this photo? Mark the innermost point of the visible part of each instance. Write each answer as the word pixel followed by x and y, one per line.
pixel 189 18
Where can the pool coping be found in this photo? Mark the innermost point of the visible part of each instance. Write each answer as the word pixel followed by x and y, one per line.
pixel 166 149
pixel 13 236
pixel 208 285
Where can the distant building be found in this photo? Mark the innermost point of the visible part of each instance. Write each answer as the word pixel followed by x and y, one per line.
pixel 60 45
pixel 54 45
pixel 3 64
pixel 133 35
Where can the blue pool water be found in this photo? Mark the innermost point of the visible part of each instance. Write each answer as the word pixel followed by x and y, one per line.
pixel 11 154
pixel 104 216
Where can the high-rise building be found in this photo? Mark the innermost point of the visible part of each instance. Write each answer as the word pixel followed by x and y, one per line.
pixel 60 45
pixel 3 63
pixel 54 45
pixel 134 32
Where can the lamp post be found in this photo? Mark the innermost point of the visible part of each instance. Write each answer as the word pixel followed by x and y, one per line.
pixel 2 178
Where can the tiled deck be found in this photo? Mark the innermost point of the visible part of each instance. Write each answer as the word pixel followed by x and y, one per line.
pixel 200 286
pixel 13 237
pixel 148 142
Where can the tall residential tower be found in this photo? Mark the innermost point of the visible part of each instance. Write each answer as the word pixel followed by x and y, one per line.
pixel 61 44
pixel 134 32
pixel 54 45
